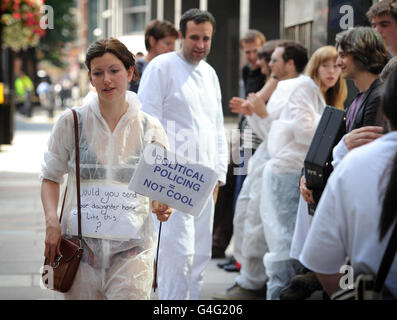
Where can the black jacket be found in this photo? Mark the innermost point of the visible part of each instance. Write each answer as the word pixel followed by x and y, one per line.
pixel 368 109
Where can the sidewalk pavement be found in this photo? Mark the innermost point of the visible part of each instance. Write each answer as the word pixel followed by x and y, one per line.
pixel 22 225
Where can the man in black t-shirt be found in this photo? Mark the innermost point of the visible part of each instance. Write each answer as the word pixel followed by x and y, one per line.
pixel 253 80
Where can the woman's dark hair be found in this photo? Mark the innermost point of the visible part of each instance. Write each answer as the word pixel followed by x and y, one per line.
pixel 159 30
pixel 389 106
pixel 114 46
pixel 366 46
pixel 198 16
pixel 296 52
pixel 265 52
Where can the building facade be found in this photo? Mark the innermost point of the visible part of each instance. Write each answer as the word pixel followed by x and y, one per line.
pixel 314 23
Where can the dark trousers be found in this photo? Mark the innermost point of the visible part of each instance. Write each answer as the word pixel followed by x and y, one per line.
pixel 224 208
pixel 224 211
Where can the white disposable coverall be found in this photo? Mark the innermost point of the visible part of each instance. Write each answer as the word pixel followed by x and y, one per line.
pixel 294 109
pixel 347 217
pixel 249 239
pixel 303 222
pixel 186 98
pixel 113 265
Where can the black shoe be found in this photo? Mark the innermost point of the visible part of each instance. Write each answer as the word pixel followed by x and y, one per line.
pixel 231 268
pixel 225 263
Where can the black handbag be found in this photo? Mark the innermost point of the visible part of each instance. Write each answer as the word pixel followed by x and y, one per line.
pixel 60 275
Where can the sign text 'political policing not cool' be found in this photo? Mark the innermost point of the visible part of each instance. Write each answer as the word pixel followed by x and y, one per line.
pixel 169 178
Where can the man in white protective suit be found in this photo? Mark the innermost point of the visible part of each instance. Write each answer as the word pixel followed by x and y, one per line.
pixel 182 91
pixel 289 121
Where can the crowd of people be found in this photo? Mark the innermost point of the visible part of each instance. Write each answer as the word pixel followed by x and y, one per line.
pixel 280 251
pixel 277 253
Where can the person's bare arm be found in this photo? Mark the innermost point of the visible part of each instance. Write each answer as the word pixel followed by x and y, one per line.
pixel 306 193
pixel 268 89
pixel 161 210
pixel 361 136
pixel 50 198
pixel 256 104
pixel 257 101
pixel 236 105
pixel 215 193
pixel 330 282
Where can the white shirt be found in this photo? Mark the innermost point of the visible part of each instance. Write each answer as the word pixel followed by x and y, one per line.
pixel 186 98
pixel 347 217
pixel 294 109
pixel 339 152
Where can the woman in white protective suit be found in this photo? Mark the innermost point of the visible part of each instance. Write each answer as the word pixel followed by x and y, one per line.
pixel 321 65
pixel 323 60
pixel 293 113
pixel 117 228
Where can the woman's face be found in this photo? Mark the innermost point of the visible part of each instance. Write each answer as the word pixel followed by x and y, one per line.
pixel 264 66
pixel 163 45
pixel 328 73
pixel 109 77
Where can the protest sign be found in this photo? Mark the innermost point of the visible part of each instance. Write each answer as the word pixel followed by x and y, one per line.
pixel 106 212
pixel 174 180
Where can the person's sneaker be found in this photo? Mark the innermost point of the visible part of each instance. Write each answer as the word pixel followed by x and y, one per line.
pixel 301 287
pixel 238 293
pixel 233 267
pixel 225 263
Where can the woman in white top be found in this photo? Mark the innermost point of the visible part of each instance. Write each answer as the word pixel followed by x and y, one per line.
pixel 118 231
pixel 323 70
pixel 357 211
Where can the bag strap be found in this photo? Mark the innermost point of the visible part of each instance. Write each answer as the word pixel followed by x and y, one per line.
pixel 77 151
pixel 63 204
pixel 387 261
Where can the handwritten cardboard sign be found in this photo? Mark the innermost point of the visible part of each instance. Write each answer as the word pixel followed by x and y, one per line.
pixel 174 180
pixel 110 212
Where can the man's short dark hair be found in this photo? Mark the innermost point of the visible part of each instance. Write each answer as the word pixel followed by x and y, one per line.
pixel 198 16
pixel 159 30
pixel 382 8
pixel 366 46
pixel 296 52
